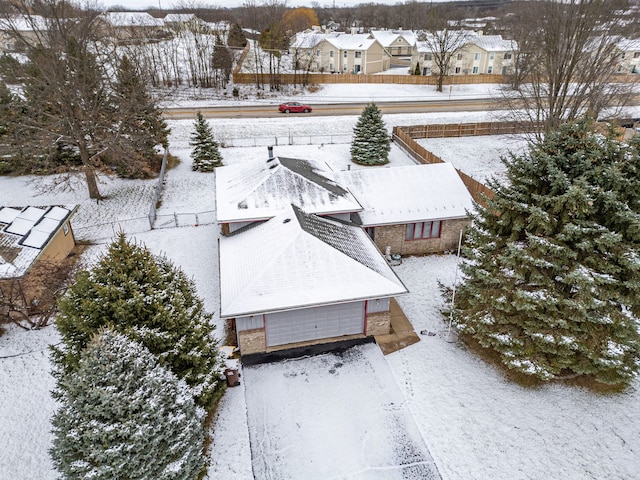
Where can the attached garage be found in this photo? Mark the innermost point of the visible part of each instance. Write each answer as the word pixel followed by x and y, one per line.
pixel 315 323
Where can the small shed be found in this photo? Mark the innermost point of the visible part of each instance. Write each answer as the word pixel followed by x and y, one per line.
pixel 29 235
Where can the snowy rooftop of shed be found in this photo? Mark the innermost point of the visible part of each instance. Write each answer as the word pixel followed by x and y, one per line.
pixel 299 260
pixel 408 194
pixel 24 233
pixel 260 189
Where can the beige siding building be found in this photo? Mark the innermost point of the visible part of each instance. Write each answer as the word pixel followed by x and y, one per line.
pixel 339 53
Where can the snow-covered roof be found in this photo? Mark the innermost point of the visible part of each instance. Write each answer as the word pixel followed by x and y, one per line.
pixel 412 193
pixel 298 260
pixel 629 45
pixel 260 189
pixel 25 232
pixel 388 37
pixel 131 19
pixel 180 18
pixel 342 41
pixel 494 43
pixel 23 23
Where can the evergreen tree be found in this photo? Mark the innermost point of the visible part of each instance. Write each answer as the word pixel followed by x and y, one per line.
pixel 416 71
pixel 123 415
pixel 552 282
pixel 222 62
pixel 151 301
pixel 206 155
pixel 141 126
pixel 370 145
pixel 236 37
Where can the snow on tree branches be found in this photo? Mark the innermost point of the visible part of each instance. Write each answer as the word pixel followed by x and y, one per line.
pixel 552 278
pixel 123 415
pixel 206 154
pixel 370 145
pixel 152 302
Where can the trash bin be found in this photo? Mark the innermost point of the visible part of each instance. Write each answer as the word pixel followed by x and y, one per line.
pixel 233 377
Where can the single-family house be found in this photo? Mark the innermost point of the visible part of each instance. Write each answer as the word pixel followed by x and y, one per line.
pixel 339 53
pixel 301 252
pixel 299 278
pixel 130 26
pixel 410 210
pixel 30 235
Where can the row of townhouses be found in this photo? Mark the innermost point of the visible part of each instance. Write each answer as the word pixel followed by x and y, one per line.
pixel 471 52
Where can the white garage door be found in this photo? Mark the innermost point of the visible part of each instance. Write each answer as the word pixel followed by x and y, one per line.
pixel 314 323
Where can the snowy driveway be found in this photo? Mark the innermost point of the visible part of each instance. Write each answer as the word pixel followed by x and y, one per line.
pixel 332 416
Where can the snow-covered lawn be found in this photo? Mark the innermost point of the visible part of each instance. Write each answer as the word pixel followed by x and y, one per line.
pixel 476 424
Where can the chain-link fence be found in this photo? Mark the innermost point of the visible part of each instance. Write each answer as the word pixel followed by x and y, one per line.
pixel 184 219
pixel 287 140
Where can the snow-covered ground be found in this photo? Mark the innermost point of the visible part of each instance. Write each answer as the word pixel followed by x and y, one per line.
pixel 475 423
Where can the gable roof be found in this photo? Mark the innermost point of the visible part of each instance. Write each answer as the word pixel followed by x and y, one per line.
pixel 388 37
pixel 342 41
pixel 260 189
pixel 24 234
pixel 408 194
pixel 298 260
pixel 494 43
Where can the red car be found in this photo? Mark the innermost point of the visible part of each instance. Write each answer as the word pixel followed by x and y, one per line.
pixel 294 107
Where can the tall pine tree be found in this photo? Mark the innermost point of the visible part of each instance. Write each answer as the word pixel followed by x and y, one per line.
pixel 141 127
pixel 205 154
pixel 370 145
pixel 151 301
pixel 552 278
pixel 123 415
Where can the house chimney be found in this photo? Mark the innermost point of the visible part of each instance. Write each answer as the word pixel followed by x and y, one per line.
pixel 270 150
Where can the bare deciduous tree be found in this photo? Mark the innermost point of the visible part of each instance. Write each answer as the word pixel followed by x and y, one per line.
pixel 567 62
pixel 444 43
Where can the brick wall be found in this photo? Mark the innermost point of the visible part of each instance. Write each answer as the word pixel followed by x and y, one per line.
pixel 252 341
pixel 378 323
pixel 394 237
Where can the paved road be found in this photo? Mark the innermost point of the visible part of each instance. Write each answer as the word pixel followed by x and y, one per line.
pixel 264 110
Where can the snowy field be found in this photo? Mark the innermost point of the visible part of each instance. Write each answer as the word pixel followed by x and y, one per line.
pixel 475 423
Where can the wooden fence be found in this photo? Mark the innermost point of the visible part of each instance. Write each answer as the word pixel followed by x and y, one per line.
pixel 322 78
pixel 404 137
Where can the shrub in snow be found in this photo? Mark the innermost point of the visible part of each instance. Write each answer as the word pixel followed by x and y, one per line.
pixel 123 415
pixel 551 282
pixel 152 302
pixel 370 145
pixel 205 154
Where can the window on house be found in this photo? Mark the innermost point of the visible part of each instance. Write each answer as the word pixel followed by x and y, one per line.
pixel 505 70
pixel 636 55
pixel 507 56
pixel 459 57
pixel 330 53
pixel 426 71
pixel 358 54
pixel 491 56
pixel 420 230
pixel 427 57
pixel 475 70
pixel 489 69
pixel 331 69
pixel 476 56
pixel 457 69
pixel 65 228
pixel 344 54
